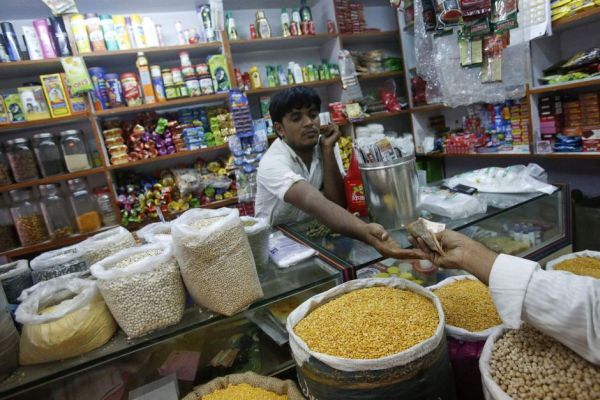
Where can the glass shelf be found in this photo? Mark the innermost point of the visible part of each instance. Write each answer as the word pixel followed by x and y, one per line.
pixel 277 284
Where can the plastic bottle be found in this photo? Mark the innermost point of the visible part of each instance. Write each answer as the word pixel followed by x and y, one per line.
pixel 145 79
pixel 305 12
pixel 122 35
pixel 150 32
pixel 297 21
pixel 262 25
pixel 285 23
pixel 355 193
pixel 255 81
pixel 207 23
pixel 109 31
pixel 179 30
pixel 138 31
pixel 230 27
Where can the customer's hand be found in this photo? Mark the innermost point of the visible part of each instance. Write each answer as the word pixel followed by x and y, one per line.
pixel 461 252
pixel 377 237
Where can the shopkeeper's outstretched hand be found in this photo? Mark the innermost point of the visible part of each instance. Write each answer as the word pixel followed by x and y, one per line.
pixel 461 252
pixel 377 237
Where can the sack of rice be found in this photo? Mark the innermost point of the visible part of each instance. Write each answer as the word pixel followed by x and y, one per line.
pixel 371 339
pixel 156 232
pixel 55 263
pixel 142 288
pixel 258 233
pixel 525 364
pixel 63 318
pixel 471 317
pixel 104 244
pixel 15 277
pixel 9 340
pixel 246 386
pixel 216 262
pixel 585 263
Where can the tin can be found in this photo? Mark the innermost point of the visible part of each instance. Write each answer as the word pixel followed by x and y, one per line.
pixel 100 93
pixel 131 89
pixel 167 77
pixel 188 72
pixel 80 33
pixel 183 90
pixel 330 27
pixel 177 76
pixel 94 29
pixel 115 90
pixel 184 57
pixel 193 86
pixel 206 85
pixel 171 92
pixel 202 69
pixel 159 89
pixel 253 32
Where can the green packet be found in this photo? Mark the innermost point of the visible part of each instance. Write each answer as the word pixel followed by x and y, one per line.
pixel 76 74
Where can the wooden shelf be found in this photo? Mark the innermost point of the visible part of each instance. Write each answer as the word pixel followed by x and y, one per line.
pixel 187 101
pixel 556 87
pixel 52 179
pixel 368 37
pixel 382 115
pixel 579 156
pixel 29 68
pixel 280 43
pixel 485 155
pixel 51 245
pixel 43 123
pixel 380 75
pixel 278 88
pixel 428 108
pixel 577 19
pixel 173 156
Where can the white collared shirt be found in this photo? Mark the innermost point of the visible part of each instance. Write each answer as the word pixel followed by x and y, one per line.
pixel 560 304
pixel 278 170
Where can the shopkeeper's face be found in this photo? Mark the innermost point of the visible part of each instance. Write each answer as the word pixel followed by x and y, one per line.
pixel 300 128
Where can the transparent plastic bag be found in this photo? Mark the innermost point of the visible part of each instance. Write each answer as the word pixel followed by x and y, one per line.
pixel 15 277
pixel 450 205
pixel 105 244
pixel 157 232
pixel 53 264
pixel 286 252
pixel 258 233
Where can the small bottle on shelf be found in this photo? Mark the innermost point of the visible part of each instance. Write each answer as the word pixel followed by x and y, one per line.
pixel 230 27
pixel 85 208
pixel 296 23
pixel 285 23
pixel 179 30
pixel 305 12
pixel 262 25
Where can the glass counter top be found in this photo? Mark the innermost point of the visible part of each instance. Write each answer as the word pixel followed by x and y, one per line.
pixel 354 254
pixel 277 284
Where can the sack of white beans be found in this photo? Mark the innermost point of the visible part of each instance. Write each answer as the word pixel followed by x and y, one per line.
pixel 258 233
pixel 156 232
pixel 142 288
pixel 104 244
pixel 216 260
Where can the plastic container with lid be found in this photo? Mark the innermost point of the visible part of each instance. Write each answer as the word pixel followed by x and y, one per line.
pixel 28 218
pixel 21 160
pixel 106 207
pixel 48 154
pixel 84 205
pixel 8 234
pixel 56 211
pixel 5 178
pixel 74 150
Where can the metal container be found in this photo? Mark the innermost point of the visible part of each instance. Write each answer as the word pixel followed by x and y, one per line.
pixel 391 191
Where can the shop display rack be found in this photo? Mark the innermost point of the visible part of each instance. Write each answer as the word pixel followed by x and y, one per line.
pixel 280 43
pixel 591 83
pixel 575 20
pixel 380 75
pixel 369 37
pixel 43 123
pixel 52 179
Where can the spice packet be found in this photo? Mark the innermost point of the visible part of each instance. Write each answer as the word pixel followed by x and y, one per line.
pixel 447 12
pixel 504 11
pixel 471 52
pixel 76 75
pixel 427 231
pixel 34 103
pixel 385 149
pixel 471 8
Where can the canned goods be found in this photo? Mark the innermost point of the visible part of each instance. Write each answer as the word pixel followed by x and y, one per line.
pixel 206 85
pixel 155 71
pixel 114 90
pixel 131 89
pixel 188 72
pixel 183 90
pixel 177 76
pixel 100 93
pixel 167 77
pixel 202 69
pixel 171 92
pixel 193 86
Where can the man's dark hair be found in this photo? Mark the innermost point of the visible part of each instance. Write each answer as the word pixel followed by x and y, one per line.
pixel 292 99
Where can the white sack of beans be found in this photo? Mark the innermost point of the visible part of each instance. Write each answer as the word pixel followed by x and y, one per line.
pixel 156 232
pixel 104 244
pixel 258 233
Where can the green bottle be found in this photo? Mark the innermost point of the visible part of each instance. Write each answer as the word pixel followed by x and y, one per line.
pixel 305 12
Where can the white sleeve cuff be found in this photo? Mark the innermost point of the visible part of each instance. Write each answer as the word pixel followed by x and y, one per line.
pixel 286 183
pixel 509 279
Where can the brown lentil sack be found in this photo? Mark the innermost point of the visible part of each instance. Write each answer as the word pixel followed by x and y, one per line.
pixel 525 364
pixel 142 288
pixel 105 244
pixel 246 386
pixel 216 262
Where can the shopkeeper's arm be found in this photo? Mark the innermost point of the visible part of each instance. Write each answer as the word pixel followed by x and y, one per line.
pixel 563 306
pixel 333 183
pixel 307 198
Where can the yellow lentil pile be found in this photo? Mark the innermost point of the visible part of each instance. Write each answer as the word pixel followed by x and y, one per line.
pixel 529 365
pixel 369 323
pixel 243 391
pixel 586 266
pixel 468 304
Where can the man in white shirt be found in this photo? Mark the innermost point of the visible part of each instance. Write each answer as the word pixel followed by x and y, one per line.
pixel 298 176
pixel 562 305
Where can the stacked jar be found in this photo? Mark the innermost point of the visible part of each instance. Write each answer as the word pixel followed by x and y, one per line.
pixel 189 74
pixel 74 150
pixel 21 160
pixel 28 218
pixel 8 233
pixel 84 206
pixel 5 178
pixel 48 154
pixel 205 80
pixel 56 212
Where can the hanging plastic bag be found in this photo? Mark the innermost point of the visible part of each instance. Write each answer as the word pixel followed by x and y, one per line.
pixel 157 232
pixel 105 244
pixel 15 277
pixel 53 264
pixel 258 232
pixel 451 205
pixel 61 319
pixel 142 288
pixel 216 261
pixel 285 252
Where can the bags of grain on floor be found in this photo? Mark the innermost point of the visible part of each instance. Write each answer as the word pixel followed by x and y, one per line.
pixel 9 340
pixel 246 386
pixel 258 233
pixel 585 263
pixel 371 339
pixel 156 232
pixel 216 260
pixel 15 277
pixel 471 317
pixel 55 263
pixel 63 318
pixel 142 288
pixel 104 244
pixel 525 364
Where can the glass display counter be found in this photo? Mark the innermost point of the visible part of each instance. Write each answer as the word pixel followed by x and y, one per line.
pixel 202 346
pixel 530 225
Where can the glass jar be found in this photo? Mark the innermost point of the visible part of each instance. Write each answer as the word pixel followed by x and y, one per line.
pixel 106 207
pixel 28 218
pixel 48 155
pixel 5 178
pixel 74 150
pixel 85 208
pixel 56 212
pixel 21 160
pixel 8 233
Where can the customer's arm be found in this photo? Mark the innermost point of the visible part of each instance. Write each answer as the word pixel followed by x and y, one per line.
pixel 563 306
pixel 333 183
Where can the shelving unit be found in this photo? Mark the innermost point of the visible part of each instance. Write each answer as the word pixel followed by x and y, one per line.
pixel 174 156
pixel 368 37
pixel 43 123
pixel 380 75
pixel 590 83
pixel 314 84
pixel 52 179
pixel 575 20
pixel 280 43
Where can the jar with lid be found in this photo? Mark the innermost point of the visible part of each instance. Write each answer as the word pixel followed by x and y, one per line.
pixel 5 178
pixel 74 150
pixel 48 155
pixel 28 218
pixel 56 211
pixel 86 212
pixel 21 160
pixel 106 207
pixel 8 233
